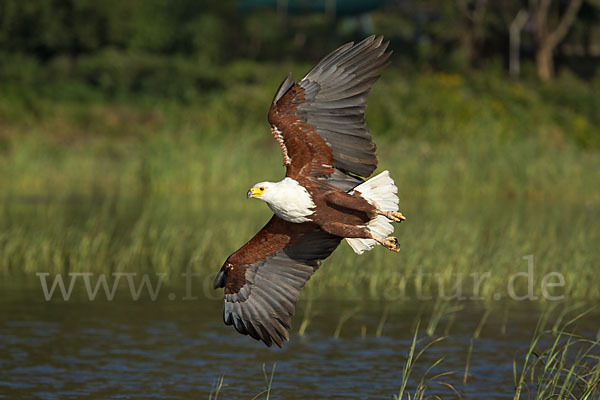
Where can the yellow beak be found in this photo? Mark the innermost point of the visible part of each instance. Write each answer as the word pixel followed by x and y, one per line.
pixel 253 192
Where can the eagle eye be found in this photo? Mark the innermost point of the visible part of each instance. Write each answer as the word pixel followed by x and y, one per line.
pixel 262 188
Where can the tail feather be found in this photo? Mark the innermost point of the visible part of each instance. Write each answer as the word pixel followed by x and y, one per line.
pixel 380 191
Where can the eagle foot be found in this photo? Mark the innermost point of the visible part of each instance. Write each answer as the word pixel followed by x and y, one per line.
pixel 390 243
pixel 395 216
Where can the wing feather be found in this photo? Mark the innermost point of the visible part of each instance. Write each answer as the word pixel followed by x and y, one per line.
pixel 252 315
pixel 325 108
pixel 276 264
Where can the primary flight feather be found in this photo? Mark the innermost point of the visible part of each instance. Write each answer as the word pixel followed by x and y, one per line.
pixel 327 150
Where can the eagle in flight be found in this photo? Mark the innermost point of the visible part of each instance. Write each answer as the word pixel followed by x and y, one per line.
pixel 327 149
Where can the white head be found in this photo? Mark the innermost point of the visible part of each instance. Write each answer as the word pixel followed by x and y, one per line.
pixel 288 199
pixel 262 190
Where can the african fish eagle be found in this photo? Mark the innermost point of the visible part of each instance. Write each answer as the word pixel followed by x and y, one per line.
pixel 320 126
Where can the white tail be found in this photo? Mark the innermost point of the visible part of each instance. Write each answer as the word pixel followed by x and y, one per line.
pixel 380 191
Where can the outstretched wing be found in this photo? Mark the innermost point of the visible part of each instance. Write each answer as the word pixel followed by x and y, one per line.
pixel 263 279
pixel 319 122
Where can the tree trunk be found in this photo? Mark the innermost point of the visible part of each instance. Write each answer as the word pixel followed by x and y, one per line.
pixel 515 28
pixel 467 46
pixel 548 40
pixel 472 22
pixel 545 62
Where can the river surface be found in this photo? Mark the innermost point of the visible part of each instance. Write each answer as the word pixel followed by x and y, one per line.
pixel 170 348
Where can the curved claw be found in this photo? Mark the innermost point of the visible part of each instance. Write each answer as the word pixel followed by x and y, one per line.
pixel 390 243
pixel 396 216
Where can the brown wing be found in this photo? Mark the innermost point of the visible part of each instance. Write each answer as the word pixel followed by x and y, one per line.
pixel 263 279
pixel 319 122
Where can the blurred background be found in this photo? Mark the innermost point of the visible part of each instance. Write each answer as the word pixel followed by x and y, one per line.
pixel 130 132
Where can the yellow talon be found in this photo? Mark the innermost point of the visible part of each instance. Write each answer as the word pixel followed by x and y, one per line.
pixel 395 216
pixel 390 243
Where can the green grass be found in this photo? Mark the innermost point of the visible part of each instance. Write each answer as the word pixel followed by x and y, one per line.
pixel 559 363
pixel 568 369
pixel 489 171
pixel 412 358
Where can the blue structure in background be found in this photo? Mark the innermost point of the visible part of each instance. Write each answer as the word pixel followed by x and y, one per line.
pixel 336 8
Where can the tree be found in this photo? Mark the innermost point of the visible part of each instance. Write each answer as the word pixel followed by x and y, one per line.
pixel 515 28
pixel 546 38
pixel 472 26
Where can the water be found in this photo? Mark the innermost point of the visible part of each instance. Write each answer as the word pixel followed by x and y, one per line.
pixel 180 349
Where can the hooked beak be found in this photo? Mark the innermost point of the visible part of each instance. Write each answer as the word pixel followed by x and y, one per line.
pixel 253 192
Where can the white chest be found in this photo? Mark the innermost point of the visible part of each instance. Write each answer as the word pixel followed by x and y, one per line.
pixel 290 201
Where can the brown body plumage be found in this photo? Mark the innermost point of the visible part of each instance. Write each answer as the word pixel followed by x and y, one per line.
pixel 326 146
